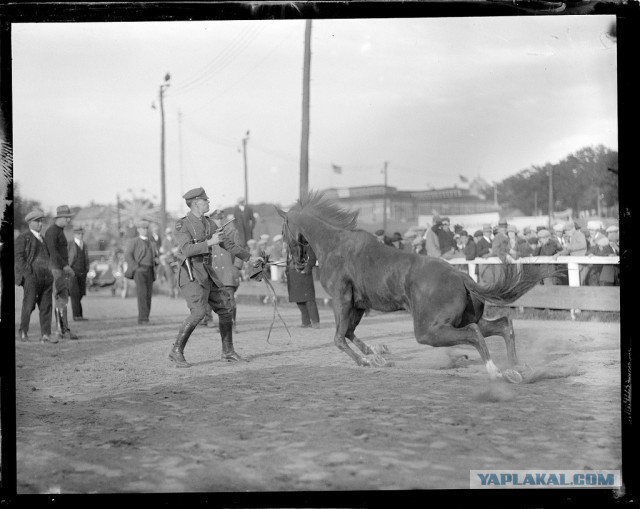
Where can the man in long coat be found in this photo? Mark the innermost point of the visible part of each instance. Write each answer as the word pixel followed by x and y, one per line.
pixel 33 274
pixel 244 221
pixel 301 287
pixel 141 255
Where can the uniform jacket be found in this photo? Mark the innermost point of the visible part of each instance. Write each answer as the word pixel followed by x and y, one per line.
pixel 191 234
pixel 56 242
pixel 27 247
pixel 134 253
pixel 300 285
pixel 78 255
pixel 227 267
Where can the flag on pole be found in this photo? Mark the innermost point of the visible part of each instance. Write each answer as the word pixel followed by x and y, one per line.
pixel 463 178
pixel 336 168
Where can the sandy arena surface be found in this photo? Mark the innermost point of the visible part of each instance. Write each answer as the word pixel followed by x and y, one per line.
pixel 110 414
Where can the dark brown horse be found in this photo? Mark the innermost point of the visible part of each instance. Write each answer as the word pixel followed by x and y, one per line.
pixel 360 274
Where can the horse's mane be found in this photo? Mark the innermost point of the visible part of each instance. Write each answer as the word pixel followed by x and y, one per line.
pixel 315 204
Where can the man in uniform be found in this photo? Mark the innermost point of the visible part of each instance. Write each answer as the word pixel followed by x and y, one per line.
pixel 141 255
pixel 56 242
pixel 33 274
pixel 195 234
pixel 79 262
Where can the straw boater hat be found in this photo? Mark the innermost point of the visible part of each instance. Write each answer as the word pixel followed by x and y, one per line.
pixel 277 238
pixel 612 228
pixel 558 227
pixel 63 211
pixel 34 215
pixel 594 225
pixel 542 234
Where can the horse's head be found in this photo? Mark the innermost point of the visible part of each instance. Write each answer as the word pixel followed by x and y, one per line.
pixel 295 242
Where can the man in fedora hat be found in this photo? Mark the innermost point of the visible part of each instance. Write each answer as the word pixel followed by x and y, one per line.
pixel 56 242
pixel 199 282
pixel 142 257
pixel 33 274
pixel 79 262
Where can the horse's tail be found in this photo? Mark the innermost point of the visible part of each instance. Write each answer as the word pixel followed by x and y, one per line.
pixel 513 283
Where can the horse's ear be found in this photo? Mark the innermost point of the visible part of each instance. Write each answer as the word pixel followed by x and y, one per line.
pixel 282 213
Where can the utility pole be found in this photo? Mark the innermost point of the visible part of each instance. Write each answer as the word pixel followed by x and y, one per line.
pixel 118 212
pixel 550 197
pixel 535 203
pixel 304 144
pixel 384 203
pixel 246 174
pixel 180 146
pixel 163 193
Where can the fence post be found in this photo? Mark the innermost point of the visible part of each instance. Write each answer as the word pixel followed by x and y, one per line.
pixel 574 274
pixel 472 271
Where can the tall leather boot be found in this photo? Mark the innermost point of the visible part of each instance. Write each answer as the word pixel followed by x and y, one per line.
pixel 59 326
pixel 226 332
pixel 177 351
pixel 65 325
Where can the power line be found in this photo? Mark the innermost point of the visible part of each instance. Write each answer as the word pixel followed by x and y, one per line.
pixel 232 86
pixel 220 62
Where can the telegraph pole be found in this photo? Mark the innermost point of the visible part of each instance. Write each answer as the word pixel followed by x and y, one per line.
pixel 180 146
pixel 163 193
pixel 550 196
pixel 304 145
pixel 384 206
pixel 246 173
pixel 118 212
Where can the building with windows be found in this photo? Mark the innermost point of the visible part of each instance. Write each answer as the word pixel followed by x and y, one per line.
pixel 410 206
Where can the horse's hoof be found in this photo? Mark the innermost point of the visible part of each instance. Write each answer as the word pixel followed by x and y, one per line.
pixel 380 349
pixel 379 361
pixel 512 376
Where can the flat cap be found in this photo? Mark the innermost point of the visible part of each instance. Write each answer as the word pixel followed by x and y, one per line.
pixel 594 225
pixel 33 215
pixel 251 242
pixel 78 229
pixel 379 232
pixel 612 228
pixel 543 234
pixel 486 227
pixel 198 192
pixel 464 233
pixel 478 233
pixel 63 211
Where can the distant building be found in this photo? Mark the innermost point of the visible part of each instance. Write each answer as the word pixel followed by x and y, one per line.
pixel 408 206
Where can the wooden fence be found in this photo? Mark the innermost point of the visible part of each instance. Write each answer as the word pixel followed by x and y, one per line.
pixel 570 297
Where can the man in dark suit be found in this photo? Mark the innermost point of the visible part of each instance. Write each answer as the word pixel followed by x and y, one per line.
pixel 141 255
pixel 33 274
pixel 79 262
pixel 56 242
pixel 244 221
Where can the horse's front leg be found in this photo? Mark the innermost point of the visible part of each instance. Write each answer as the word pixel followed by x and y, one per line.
pixel 343 311
pixel 354 320
pixel 501 327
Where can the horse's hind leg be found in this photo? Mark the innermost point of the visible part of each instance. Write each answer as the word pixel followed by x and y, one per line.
pixel 447 335
pixel 501 327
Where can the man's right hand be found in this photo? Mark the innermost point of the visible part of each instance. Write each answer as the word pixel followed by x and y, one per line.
pixel 214 240
pixel 254 261
pixel 68 270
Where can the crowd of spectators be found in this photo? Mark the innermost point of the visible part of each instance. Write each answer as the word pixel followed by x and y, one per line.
pixel 508 243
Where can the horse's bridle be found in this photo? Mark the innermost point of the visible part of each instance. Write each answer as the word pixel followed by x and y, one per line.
pixel 302 261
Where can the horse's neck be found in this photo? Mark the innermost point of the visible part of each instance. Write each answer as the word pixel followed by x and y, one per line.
pixel 322 237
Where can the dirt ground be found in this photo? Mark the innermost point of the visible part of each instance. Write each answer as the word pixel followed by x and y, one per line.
pixel 109 413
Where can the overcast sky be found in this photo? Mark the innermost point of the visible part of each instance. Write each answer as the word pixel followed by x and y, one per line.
pixel 436 98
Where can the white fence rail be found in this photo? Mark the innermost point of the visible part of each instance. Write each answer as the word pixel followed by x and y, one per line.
pixel 573 263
